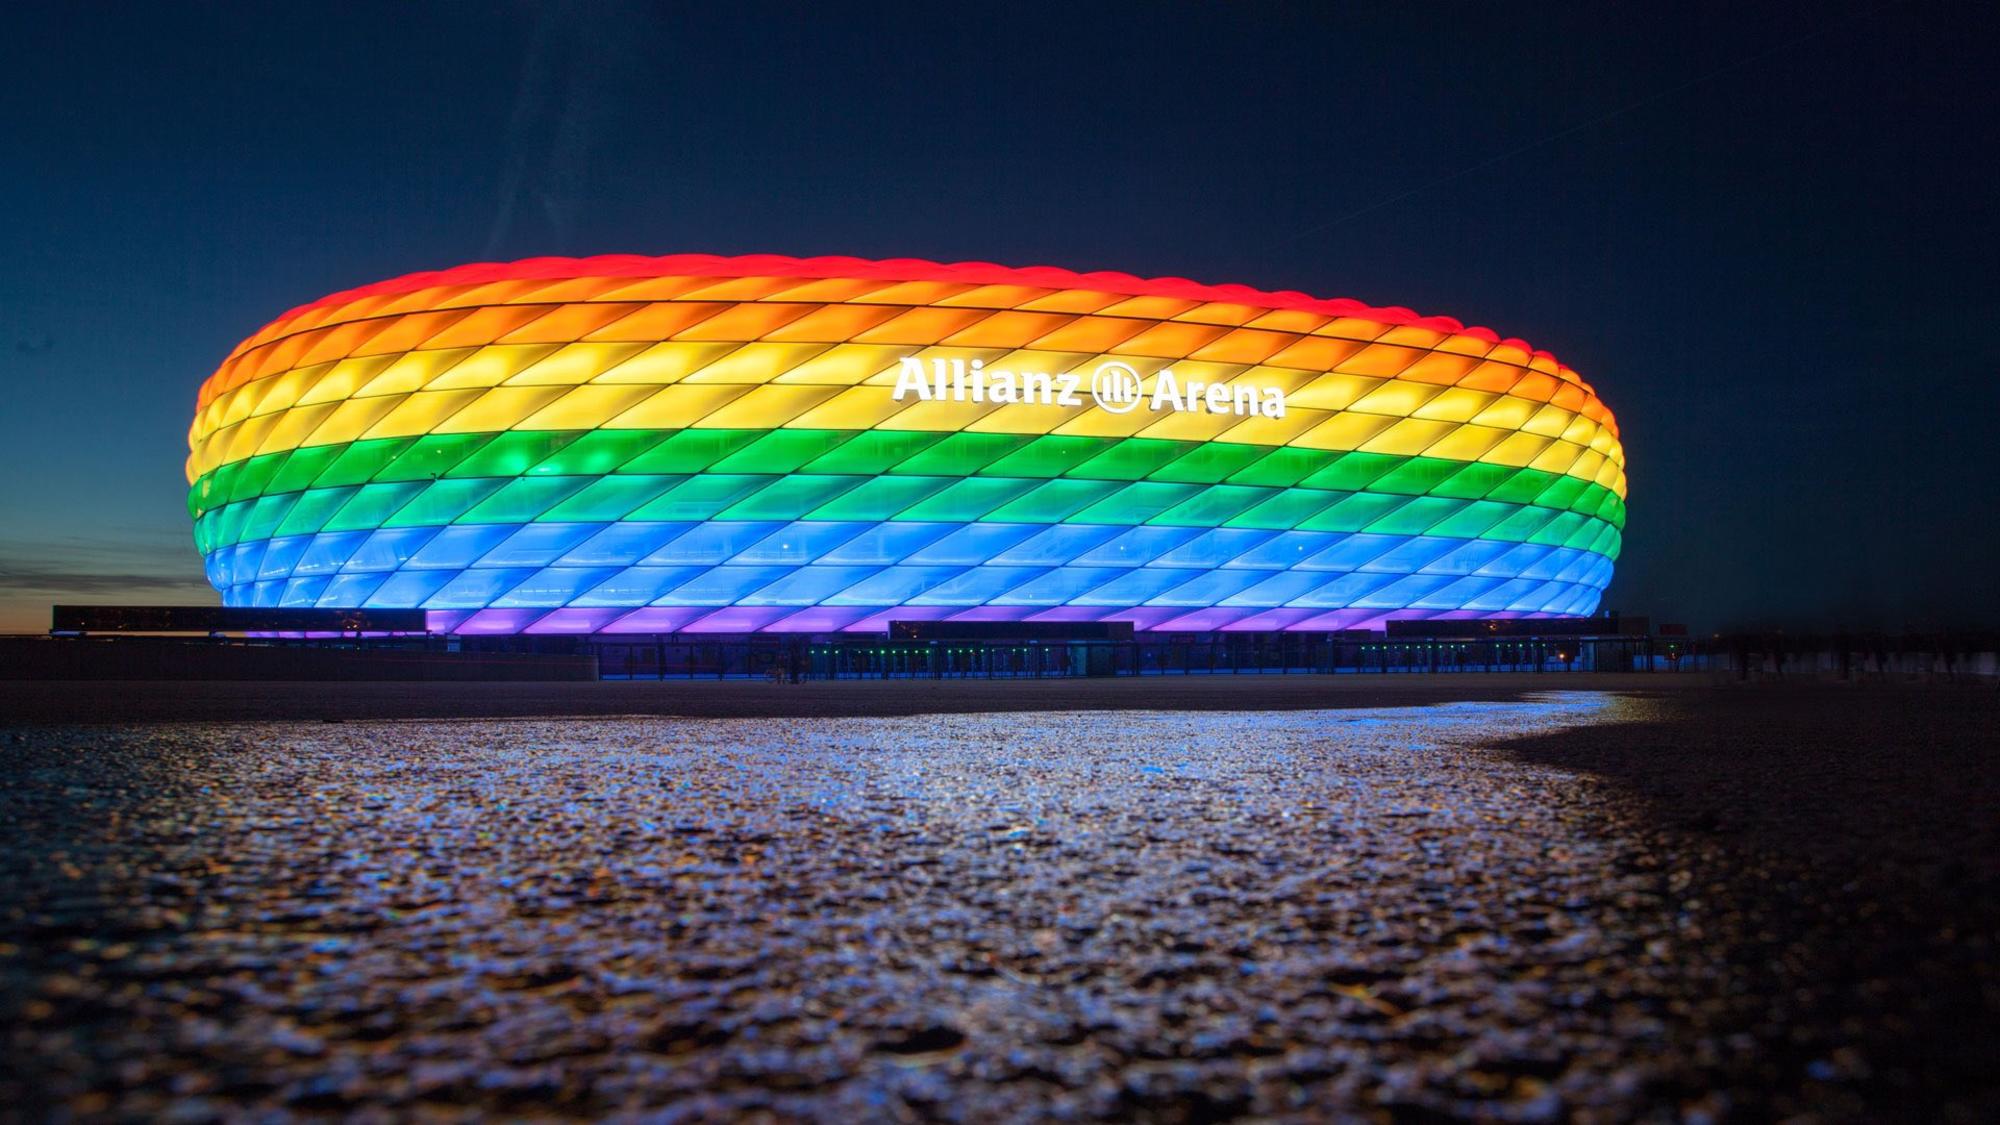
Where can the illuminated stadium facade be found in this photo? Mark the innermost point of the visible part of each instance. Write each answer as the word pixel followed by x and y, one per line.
pixel 698 444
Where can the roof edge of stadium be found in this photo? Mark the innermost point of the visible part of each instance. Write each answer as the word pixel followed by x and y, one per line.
pixel 906 269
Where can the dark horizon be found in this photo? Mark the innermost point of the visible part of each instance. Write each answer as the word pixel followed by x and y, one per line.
pixel 1756 233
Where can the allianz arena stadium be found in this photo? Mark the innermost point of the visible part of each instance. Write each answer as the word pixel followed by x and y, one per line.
pixel 699 444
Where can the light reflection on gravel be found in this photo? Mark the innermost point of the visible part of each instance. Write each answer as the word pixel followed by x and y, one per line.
pixel 1092 914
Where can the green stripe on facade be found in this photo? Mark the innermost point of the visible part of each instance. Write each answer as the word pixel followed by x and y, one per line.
pixel 605 475
pixel 520 453
pixel 847 497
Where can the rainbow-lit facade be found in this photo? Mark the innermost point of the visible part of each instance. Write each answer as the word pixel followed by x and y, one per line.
pixel 733 445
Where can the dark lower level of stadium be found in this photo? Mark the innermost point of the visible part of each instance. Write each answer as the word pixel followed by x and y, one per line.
pixel 1199 654
pixel 132 642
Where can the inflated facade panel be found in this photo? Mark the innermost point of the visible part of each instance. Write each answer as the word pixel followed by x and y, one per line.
pixel 705 444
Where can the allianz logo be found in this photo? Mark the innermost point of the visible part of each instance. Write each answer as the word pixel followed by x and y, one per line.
pixel 1114 386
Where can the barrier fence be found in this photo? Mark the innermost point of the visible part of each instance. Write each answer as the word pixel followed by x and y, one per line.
pixel 1256 654
pixel 1738 657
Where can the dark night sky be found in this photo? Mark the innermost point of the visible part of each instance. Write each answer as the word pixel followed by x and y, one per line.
pixel 1767 236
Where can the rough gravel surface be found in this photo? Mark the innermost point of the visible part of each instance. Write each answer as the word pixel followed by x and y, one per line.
pixel 1492 910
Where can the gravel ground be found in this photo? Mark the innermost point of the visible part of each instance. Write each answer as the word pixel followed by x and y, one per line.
pixel 1747 904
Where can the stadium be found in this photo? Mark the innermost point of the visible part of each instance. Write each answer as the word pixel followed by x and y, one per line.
pixel 732 445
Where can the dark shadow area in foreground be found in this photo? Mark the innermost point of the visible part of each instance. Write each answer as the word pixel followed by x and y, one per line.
pixel 138 701
pixel 1835 857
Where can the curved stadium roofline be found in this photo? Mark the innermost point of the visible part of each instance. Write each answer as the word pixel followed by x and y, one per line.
pixel 909 269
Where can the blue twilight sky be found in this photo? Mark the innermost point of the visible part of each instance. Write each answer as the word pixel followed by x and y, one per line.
pixel 1766 233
